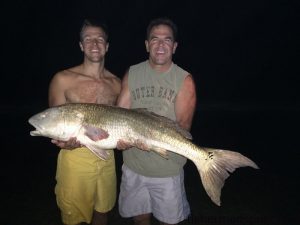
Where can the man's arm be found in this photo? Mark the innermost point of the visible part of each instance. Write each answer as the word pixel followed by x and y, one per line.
pixel 185 103
pixel 56 96
pixel 56 92
pixel 124 100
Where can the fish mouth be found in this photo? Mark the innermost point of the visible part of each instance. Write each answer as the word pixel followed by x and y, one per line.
pixel 35 133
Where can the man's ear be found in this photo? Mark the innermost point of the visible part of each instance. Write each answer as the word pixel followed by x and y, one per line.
pixel 175 47
pixel 81 46
pixel 107 46
pixel 147 45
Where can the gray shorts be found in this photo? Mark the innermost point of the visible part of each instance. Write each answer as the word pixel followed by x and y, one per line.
pixel 165 198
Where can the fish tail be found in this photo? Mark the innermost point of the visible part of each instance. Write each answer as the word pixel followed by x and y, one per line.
pixel 215 168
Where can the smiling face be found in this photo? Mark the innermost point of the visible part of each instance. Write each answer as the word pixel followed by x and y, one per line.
pixel 94 43
pixel 161 46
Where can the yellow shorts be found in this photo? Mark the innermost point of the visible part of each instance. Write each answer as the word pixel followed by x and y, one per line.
pixel 84 183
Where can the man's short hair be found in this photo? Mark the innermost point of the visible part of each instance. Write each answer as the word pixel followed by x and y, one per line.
pixel 93 23
pixel 162 21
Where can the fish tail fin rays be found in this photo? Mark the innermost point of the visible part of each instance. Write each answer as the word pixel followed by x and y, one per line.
pixel 216 167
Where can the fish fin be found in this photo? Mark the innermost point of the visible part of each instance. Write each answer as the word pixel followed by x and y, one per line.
pixel 216 167
pixel 183 132
pixel 102 154
pixel 161 151
pixel 95 133
pixel 141 145
pixel 166 122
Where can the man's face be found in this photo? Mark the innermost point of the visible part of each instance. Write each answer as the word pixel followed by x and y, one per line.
pixel 94 44
pixel 161 45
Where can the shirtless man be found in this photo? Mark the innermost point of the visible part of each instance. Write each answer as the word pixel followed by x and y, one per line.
pixel 86 185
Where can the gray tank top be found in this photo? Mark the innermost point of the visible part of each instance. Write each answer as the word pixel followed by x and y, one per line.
pixel 156 92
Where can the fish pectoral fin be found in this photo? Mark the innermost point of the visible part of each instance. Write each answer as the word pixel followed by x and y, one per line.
pixel 161 151
pixel 95 133
pixel 101 153
pixel 143 146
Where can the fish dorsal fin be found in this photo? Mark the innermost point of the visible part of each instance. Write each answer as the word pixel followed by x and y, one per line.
pixel 167 121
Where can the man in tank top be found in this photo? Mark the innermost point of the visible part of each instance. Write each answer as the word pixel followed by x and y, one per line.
pixel 150 183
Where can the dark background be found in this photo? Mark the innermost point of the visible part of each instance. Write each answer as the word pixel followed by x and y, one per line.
pixel 244 58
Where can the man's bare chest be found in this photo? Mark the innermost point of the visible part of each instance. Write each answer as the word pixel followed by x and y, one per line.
pixel 92 92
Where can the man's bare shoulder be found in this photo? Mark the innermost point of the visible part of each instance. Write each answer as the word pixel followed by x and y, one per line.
pixel 114 81
pixel 73 71
pixel 66 75
pixel 112 76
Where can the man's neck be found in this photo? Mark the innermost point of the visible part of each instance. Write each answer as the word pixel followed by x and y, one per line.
pixel 95 70
pixel 160 68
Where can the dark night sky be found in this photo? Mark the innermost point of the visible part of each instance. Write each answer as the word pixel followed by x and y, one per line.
pixel 241 53
pixel 244 57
